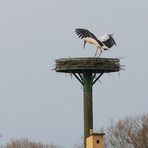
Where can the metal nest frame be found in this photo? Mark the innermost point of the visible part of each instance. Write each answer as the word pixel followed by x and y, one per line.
pixel 95 66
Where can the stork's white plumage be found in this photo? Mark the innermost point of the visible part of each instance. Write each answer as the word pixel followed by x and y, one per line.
pixel 105 42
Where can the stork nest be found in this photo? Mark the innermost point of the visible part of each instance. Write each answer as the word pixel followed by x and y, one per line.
pixel 92 65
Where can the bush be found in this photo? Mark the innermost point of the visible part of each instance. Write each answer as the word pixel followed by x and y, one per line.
pixel 25 143
pixel 131 132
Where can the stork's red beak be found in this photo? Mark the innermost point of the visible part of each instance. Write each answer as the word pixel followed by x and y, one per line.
pixel 84 44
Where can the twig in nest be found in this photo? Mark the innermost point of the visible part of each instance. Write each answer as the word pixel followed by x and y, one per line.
pixel 121 67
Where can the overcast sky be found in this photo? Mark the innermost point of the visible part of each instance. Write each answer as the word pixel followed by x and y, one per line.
pixel 38 103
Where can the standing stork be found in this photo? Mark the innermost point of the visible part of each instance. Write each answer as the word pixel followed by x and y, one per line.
pixel 105 42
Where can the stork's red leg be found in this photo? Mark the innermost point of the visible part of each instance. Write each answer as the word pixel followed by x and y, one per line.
pixel 96 52
pixel 100 53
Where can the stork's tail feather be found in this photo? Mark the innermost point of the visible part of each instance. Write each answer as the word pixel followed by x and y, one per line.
pixel 105 49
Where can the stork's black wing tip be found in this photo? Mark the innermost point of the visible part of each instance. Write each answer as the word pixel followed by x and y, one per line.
pixel 78 30
pixel 111 35
pixel 82 33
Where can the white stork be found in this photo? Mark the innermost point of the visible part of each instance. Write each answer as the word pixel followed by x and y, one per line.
pixel 105 42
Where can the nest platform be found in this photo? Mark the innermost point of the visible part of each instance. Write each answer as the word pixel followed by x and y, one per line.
pixel 87 64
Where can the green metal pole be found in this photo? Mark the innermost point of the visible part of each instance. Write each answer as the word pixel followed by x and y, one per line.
pixel 88 104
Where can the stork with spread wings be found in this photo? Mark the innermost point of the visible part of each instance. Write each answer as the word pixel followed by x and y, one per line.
pixel 105 42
